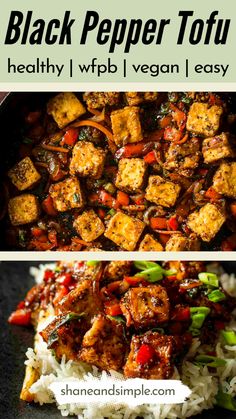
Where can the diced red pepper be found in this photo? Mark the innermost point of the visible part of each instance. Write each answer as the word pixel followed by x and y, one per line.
pixel 156 135
pixel 134 150
pixel 181 314
pixel 48 274
pixel 212 194
pixel 61 292
pixel 133 280
pixel 219 325
pixel 101 213
pixel 21 305
pixel 214 100
pixel 48 207
pixel 173 223
pixel 233 209
pixel 65 279
pixel 163 238
pixel 122 198
pixel 165 121
pixel 70 137
pixel 113 310
pixel 178 116
pixel 158 223
pixel 172 134
pixel 145 354
pixel 108 200
pixel 37 232
pixel 20 317
pixel 150 158
pixel 172 277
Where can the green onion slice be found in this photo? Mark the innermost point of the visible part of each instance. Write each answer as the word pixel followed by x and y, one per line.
pixel 209 279
pixel 225 400
pixel 216 296
pixel 229 337
pixel 210 361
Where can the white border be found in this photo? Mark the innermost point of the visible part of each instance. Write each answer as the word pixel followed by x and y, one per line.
pixel 116 87
pixel 106 256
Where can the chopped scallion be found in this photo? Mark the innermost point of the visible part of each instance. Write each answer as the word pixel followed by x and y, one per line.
pixel 229 337
pixel 225 400
pixel 209 279
pixel 216 296
pixel 210 361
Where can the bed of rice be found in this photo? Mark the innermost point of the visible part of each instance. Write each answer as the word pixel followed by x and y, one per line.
pixel 203 383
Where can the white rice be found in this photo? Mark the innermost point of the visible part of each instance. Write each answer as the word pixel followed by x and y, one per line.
pixel 203 383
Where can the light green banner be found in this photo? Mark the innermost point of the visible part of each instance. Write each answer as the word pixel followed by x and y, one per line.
pixel 149 31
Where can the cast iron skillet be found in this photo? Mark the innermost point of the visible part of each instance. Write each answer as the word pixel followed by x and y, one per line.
pixel 11 113
pixel 15 281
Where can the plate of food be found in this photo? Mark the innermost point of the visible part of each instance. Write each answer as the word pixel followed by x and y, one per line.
pixel 111 171
pixel 142 319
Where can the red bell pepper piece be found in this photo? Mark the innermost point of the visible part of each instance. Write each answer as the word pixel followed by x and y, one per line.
pixel 173 223
pixel 70 137
pixel 113 309
pixel 61 292
pixel 122 198
pixel 37 232
pixel 145 354
pixel 133 280
pixel 48 207
pixel 181 314
pixel 158 223
pixel 65 279
pixel 21 317
pixel 178 116
pixel 134 150
pixel 212 194
pixel 172 134
pixel 150 157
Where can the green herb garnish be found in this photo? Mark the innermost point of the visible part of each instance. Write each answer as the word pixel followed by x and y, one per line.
pixel 216 296
pixel 210 361
pixel 209 279
pixel 229 337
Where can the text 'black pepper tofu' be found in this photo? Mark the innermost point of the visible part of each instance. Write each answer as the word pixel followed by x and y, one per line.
pixel 145 306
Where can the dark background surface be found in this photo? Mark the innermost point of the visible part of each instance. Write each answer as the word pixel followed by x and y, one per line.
pixel 15 281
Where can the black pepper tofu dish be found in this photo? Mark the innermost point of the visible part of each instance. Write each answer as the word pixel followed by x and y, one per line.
pixel 123 171
pixel 138 318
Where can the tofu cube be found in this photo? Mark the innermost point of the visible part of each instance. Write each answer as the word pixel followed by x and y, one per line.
pixel 65 108
pixel 104 345
pixel 145 306
pixel 131 175
pixel 87 160
pixel 204 119
pixel 177 243
pixel 149 244
pixel 98 100
pixel 117 269
pixel 162 192
pixel 206 222
pixel 135 98
pixel 164 350
pixel 124 230
pixel 89 225
pixel 126 126
pixel 24 175
pixel 224 180
pixel 23 209
pixel 67 194
pixel 183 158
pixel 216 148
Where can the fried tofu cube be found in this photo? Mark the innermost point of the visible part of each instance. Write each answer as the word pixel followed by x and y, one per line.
pixel 131 174
pixel 206 222
pixel 23 209
pixel 98 100
pixel 124 230
pixel 177 243
pixel 116 270
pixel 126 126
pixel 82 299
pixel 224 180
pixel 216 148
pixel 183 158
pixel 87 160
pixel 149 244
pixel 24 175
pixel 67 194
pixel 65 108
pixel 104 344
pixel 65 334
pixel 204 119
pixel 145 306
pixel 163 350
pixel 89 225
pixel 162 192
pixel 135 98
